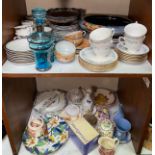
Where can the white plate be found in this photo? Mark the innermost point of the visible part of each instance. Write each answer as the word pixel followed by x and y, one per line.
pixel 50 101
pixel 19 45
pixel 143 50
pixel 88 55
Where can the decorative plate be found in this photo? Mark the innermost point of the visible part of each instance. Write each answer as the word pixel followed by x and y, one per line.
pixel 104 98
pixel 50 102
pixel 56 136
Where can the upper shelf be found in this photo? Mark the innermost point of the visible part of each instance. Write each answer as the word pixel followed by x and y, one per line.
pixel 74 69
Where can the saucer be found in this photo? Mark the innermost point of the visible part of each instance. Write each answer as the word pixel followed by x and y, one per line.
pixel 143 50
pixel 132 58
pixel 88 56
pixel 128 139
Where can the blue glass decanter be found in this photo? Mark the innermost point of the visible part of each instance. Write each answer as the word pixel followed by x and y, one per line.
pixel 41 43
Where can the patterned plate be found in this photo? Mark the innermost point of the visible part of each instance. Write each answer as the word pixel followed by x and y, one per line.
pixel 56 136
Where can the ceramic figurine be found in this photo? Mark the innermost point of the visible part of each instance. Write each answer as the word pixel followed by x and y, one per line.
pixel 87 102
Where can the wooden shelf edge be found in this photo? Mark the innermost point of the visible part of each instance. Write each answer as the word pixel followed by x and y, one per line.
pixel 5 75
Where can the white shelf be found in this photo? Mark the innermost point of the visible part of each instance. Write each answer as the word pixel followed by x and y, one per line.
pixel 70 149
pixel 75 68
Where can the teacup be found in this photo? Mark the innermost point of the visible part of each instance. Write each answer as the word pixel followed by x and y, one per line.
pixel 101 41
pixel 123 127
pixel 23 30
pixel 134 35
pixel 107 145
pixel 75 37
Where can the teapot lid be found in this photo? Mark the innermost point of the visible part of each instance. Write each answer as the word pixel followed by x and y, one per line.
pixel 106 124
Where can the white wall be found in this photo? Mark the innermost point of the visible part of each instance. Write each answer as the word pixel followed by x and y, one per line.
pixel 119 7
pixel 69 83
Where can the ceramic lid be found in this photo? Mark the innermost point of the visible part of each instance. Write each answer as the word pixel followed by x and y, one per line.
pixel 72 110
pixel 106 124
pixel 135 29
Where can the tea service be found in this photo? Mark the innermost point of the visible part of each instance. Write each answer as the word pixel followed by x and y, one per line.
pixel 134 36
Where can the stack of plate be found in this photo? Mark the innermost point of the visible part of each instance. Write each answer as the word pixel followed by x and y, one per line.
pixel 132 57
pixel 18 51
pixel 88 60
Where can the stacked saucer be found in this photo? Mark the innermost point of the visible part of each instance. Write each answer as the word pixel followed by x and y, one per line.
pixel 131 57
pixel 90 61
pixel 18 51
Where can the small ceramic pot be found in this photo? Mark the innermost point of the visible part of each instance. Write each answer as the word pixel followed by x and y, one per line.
pixel 75 37
pixel 36 127
pixel 72 111
pixel 107 146
pixel 65 51
pixel 106 128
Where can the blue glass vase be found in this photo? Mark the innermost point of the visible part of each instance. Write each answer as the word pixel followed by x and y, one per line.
pixel 41 42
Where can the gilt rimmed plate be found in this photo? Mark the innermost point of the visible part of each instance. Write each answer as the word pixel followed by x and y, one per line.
pixel 88 56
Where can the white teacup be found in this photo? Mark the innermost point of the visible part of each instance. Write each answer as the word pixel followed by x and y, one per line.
pixel 134 35
pixel 101 41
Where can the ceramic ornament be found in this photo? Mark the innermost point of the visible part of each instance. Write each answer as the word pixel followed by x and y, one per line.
pixel 87 102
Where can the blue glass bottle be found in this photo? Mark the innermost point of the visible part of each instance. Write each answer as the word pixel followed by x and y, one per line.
pixel 41 42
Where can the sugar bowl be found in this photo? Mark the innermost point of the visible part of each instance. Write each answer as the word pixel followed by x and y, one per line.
pixel 106 128
pixel 65 51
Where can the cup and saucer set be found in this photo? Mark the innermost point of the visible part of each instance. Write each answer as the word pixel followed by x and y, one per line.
pixel 99 56
pixel 131 48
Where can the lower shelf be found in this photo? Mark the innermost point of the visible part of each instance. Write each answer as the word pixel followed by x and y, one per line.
pixel 70 149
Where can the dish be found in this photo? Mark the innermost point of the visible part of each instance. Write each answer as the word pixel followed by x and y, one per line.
pixel 133 58
pixel 84 44
pixel 18 51
pixel 88 55
pixel 104 97
pixel 50 102
pixel 55 137
pixel 19 45
pixel 64 16
pixel 92 22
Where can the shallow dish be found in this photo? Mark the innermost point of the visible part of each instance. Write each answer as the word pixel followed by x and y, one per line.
pixel 56 136
pixel 104 97
pixel 132 58
pixel 64 15
pixel 19 45
pixel 87 54
pixel 92 22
